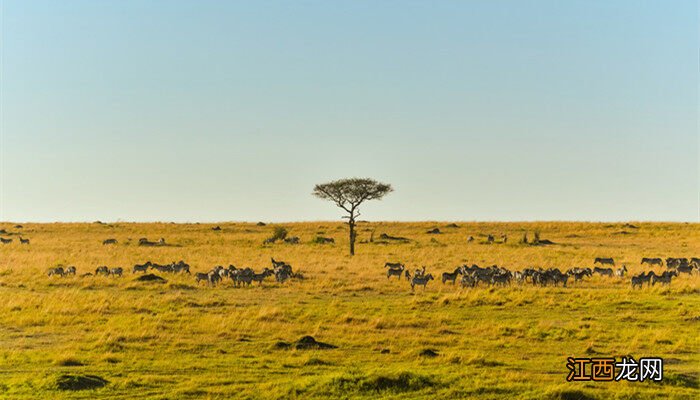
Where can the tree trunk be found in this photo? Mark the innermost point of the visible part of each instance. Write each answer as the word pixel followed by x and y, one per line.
pixel 351 222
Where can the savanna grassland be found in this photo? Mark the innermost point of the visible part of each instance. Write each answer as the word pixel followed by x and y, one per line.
pixel 180 340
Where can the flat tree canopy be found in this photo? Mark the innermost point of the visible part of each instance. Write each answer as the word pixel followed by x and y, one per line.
pixel 348 194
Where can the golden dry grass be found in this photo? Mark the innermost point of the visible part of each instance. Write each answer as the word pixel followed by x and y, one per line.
pixel 181 340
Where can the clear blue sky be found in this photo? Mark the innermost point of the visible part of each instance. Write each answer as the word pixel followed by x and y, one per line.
pixel 473 110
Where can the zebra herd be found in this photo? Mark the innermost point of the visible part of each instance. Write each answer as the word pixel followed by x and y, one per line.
pixel 472 276
pixel 281 270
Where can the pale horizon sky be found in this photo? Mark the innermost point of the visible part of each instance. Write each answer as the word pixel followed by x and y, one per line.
pixel 209 111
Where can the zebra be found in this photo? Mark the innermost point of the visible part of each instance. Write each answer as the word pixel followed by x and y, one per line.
pixel 652 261
pixel 490 239
pixel 116 271
pixel 604 261
pixel 620 272
pixel 664 278
pixel 109 241
pixel 213 277
pixel 470 239
pixel 393 265
pixel 686 269
pixel 5 241
pixel 603 271
pixel 102 270
pixel 162 268
pixel 23 240
pixel 421 280
pixel 451 276
pixel 181 266
pixel 504 237
pixel 395 272
pixel 70 270
pixel 639 280
pixel 468 280
pixel 501 279
pixel 201 276
pixel 261 276
pixel 56 271
pixel 161 242
pixel 141 267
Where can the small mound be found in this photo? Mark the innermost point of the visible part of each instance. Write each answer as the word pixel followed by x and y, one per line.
pixel 434 231
pixel 150 278
pixel 261 224
pixel 69 362
pixel 80 382
pixel 308 342
pixel 428 353
pixel 216 228
pixel 282 345
pixel 453 225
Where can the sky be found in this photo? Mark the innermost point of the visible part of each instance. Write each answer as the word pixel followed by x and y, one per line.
pixel 232 111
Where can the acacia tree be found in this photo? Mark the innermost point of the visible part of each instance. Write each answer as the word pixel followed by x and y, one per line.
pixel 348 194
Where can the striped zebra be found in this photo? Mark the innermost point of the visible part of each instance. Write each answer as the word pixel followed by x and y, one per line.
pixel 23 240
pixel 56 271
pixel 71 270
pixel 604 261
pixel 102 270
pixel 421 281
pixel 397 272
pixel 118 271
pixel 141 267
pixel 451 276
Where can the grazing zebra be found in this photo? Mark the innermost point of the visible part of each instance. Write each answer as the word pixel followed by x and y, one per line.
pixel 603 271
pixel 639 280
pixel 397 272
pixel 56 271
pixel 201 276
pixel 451 276
pixel 686 269
pixel 468 280
pixel 261 276
pixel 213 277
pixel 181 266
pixel 71 270
pixel 23 240
pixel 578 274
pixel 620 272
pixel 141 267
pixel 421 280
pixel 652 261
pixel 161 267
pixel 500 279
pixel 604 261
pixel 116 271
pixel 109 241
pixel 102 270
pixel 664 278
pixel 5 241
